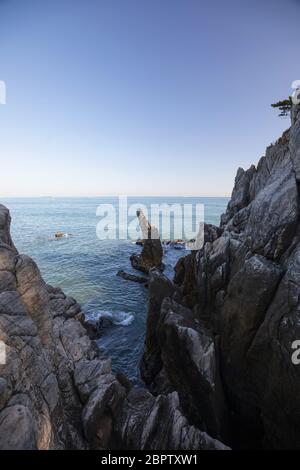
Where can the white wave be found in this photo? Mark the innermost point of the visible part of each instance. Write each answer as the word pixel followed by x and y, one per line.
pixel 117 318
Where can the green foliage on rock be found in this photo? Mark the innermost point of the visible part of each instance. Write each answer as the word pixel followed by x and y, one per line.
pixel 284 106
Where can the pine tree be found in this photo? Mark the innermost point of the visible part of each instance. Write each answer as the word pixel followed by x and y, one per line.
pixel 284 106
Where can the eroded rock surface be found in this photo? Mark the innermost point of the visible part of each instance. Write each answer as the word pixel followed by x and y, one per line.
pixel 132 277
pixel 152 251
pixel 180 355
pixel 55 391
pixel 234 305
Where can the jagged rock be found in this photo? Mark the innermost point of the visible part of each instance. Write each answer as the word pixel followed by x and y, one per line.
pixel 102 407
pixel 180 354
pixel 294 141
pixel 274 377
pixel 244 286
pixel 159 288
pixel 189 356
pixel 55 391
pixel 88 374
pixel 158 423
pixel 226 323
pixel 152 251
pixel 44 343
pixel 95 328
pixel 17 429
pixel 241 194
pixel 132 277
pixel 203 272
pixel 5 236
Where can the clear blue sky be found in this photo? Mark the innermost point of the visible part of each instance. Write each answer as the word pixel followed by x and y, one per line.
pixel 140 97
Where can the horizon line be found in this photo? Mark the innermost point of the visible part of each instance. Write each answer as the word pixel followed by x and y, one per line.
pixel 113 196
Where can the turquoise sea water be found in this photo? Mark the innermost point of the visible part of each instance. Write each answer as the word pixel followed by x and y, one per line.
pixel 85 267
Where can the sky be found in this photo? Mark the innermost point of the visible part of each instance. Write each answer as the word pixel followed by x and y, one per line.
pixel 141 97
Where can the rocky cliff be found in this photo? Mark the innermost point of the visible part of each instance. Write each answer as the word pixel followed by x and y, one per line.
pixel 217 356
pixel 221 334
pixel 55 391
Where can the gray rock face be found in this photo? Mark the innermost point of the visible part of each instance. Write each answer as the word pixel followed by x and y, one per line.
pixel 19 417
pixel 5 228
pixel 152 251
pixel 151 423
pixel 217 356
pixel 243 288
pixel 160 287
pixel 180 355
pixel 55 392
pixel 44 341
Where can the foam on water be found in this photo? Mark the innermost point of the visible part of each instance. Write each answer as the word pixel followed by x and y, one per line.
pixel 117 318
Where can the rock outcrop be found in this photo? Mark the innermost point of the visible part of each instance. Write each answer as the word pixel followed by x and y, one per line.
pixel 152 251
pixel 227 323
pixel 180 355
pixel 132 277
pixel 55 391
pixel 218 347
pixel 148 422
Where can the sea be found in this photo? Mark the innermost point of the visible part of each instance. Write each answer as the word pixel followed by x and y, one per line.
pixel 85 266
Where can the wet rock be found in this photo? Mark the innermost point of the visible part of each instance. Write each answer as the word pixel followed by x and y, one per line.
pixel 132 277
pixel 95 328
pixel 62 235
pixel 176 244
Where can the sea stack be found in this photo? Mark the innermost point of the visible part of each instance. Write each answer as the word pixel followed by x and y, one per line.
pixel 152 252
